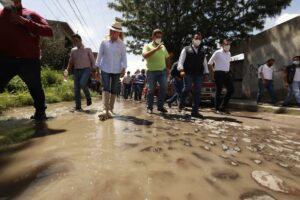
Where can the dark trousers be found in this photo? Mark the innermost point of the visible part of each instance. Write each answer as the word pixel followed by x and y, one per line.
pixel 127 90
pixel 261 88
pixel 178 84
pixel 138 91
pixel 223 79
pixel 29 70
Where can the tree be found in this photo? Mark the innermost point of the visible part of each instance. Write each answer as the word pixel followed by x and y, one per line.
pixel 179 19
pixel 55 54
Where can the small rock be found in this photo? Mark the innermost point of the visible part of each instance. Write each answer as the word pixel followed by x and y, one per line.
pixel 283 165
pixel 247 140
pixel 207 148
pixel 256 195
pixel 258 162
pixel 225 174
pixel 225 147
pixel 237 149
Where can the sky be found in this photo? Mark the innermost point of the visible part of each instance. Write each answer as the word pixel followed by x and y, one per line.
pixel 97 17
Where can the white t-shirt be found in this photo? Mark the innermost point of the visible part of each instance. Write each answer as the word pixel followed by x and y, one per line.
pixel 221 59
pixel 266 71
pixel 297 74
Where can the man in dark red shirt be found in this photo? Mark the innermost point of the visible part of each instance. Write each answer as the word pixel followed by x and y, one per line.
pixel 20 31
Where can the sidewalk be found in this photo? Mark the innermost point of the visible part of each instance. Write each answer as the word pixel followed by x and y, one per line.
pixel 250 105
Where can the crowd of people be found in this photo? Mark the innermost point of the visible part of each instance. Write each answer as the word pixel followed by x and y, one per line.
pixel 20 33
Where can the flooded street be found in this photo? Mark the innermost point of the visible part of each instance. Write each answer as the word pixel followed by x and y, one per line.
pixel 137 156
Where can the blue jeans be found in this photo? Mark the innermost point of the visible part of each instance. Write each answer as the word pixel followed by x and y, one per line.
pixel 296 90
pixel 138 91
pixel 187 88
pixel 289 95
pixel 110 82
pixel 154 77
pixel 269 87
pixel 178 83
pixel 81 77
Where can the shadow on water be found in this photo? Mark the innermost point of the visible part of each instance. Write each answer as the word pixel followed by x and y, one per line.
pixel 15 131
pixel 134 120
pixel 12 186
pixel 15 136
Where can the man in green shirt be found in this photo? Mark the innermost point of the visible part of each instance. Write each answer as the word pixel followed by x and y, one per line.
pixel 157 60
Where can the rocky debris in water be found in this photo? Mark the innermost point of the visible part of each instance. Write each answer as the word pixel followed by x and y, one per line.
pixel 256 195
pixel 207 148
pixel 187 144
pixel 176 128
pixel 152 149
pixel 277 149
pixel 252 149
pixel 274 183
pixel 196 130
pixel 213 136
pixel 201 157
pixel 282 165
pixel 237 149
pixel 247 140
pixel 225 147
pixel 234 163
pixel 258 162
pixel 225 174
pixel 188 134
pixel 172 134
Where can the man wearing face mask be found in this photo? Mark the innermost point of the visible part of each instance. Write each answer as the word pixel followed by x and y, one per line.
pixel 219 65
pixel 265 76
pixel 83 60
pixel 157 60
pixel 292 80
pixel 20 32
pixel 193 67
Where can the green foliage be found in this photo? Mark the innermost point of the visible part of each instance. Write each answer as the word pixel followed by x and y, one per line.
pixel 179 19
pixel 16 84
pixel 54 53
pixel 50 77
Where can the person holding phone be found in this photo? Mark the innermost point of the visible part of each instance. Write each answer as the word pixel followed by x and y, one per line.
pixel 157 60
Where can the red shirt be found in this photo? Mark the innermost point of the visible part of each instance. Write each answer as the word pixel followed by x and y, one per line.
pixel 22 41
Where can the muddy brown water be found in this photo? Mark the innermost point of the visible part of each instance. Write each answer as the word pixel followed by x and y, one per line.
pixel 149 157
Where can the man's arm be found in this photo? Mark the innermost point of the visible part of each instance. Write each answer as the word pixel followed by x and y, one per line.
pixel 37 25
pixel 147 54
pixel 211 65
pixel 100 53
pixel 205 72
pixel 92 58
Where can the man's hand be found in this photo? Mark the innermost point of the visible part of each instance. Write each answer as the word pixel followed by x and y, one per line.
pixel 286 85
pixel 159 46
pixel 122 73
pixel 17 19
pixel 265 82
pixel 182 74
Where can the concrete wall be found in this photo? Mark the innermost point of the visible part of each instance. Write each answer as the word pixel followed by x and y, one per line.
pixel 282 43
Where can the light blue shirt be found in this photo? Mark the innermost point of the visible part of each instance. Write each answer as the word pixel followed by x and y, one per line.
pixel 112 56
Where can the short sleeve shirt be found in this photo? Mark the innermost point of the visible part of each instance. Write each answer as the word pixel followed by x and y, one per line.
pixel 157 61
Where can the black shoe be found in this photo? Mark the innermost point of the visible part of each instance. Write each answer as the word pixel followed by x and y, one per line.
pixel 89 102
pixel 162 109
pixel 180 108
pixel 223 110
pixel 149 111
pixel 39 116
pixel 169 104
pixel 197 115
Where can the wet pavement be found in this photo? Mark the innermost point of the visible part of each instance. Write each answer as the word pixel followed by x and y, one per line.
pixel 74 155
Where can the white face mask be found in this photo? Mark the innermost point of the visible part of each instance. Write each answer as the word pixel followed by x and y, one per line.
pixel 296 62
pixel 157 40
pixel 196 43
pixel 226 47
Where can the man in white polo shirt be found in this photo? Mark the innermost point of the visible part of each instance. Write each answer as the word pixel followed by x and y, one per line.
pixel 219 65
pixel 265 80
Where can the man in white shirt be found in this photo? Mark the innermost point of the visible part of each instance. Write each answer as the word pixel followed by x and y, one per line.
pixel 127 82
pixel 265 80
pixel 192 65
pixel 219 65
